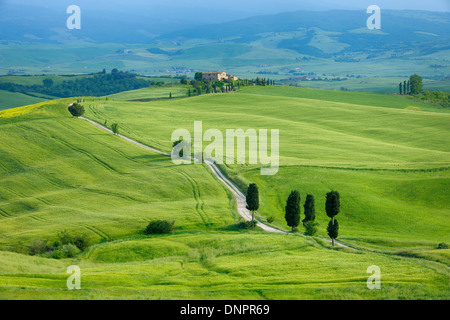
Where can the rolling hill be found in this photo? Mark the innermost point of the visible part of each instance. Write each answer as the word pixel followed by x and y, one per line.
pixel 67 174
pixel 328 46
pixel 388 152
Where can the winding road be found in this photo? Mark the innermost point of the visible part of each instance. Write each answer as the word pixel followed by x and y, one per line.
pixel 238 195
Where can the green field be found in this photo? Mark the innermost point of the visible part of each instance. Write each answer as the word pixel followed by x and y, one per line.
pixel 368 84
pixel 16 99
pixel 151 93
pixel 387 155
pixel 67 175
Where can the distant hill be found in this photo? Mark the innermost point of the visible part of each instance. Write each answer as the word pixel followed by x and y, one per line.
pixel 323 33
pixel 321 45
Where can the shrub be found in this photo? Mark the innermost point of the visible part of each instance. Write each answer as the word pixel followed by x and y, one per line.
pixel 247 224
pixel 66 251
pixel 38 246
pixel 64 237
pixel 70 250
pixel 442 245
pixel 115 128
pixel 310 228
pixel 271 219
pixel 81 242
pixel 77 110
pixel 160 227
pixel 57 254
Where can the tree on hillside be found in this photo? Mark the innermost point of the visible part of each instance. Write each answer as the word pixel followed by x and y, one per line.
pixel 76 109
pixel 115 128
pixel 198 76
pixel 405 89
pixel 175 143
pixel 333 230
pixel 416 84
pixel 48 83
pixel 252 200
pixel 292 209
pixel 332 208
pixel 400 87
pixel 309 209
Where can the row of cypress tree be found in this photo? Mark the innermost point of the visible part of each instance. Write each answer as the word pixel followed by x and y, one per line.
pixel 332 208
pixel 292 210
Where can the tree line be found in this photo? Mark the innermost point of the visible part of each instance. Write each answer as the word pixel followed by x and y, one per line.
pixel 414 85
pixel 202 86
pixel 97 85
pixel 293 211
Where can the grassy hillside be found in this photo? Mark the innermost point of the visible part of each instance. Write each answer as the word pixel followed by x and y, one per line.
pixel 16 99
pixel 221 265
pixel 68 175
pixel 59 172
pixel 387 155
pixel 151 93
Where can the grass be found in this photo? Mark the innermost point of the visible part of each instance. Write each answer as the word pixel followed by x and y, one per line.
pixel 205 265
pixel 389 163
pixel 16 99
pixel 59 172
pixel 151 93
pixel 68 175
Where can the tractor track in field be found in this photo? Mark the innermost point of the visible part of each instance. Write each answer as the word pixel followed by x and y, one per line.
pixel 76 149
pixel 96 231
pixel 5 214
pixel 238 195
pixel 197 196
pixel 114 194
pixel 121 153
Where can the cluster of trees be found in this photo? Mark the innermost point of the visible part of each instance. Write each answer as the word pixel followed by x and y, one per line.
pixel 201 86
pixel 293 211
pixel 99 84
pixel 436 97
pixel 332 208
pixel 65 245
pixel 412 86
pixel 263 82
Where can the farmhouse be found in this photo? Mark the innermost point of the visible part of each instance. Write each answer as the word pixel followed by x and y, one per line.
pixel 217 76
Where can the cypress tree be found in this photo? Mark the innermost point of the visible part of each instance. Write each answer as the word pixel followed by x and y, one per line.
pixel 400 87
pixel 252 200
pixel 415 84
pixel 309 209
pixel 333 230
pixel 332 208
pixel 292 209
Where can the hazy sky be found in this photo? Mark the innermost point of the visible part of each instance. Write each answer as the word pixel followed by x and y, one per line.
pixel 251 7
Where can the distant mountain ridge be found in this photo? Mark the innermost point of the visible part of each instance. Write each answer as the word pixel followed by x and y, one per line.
pixel 400 29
